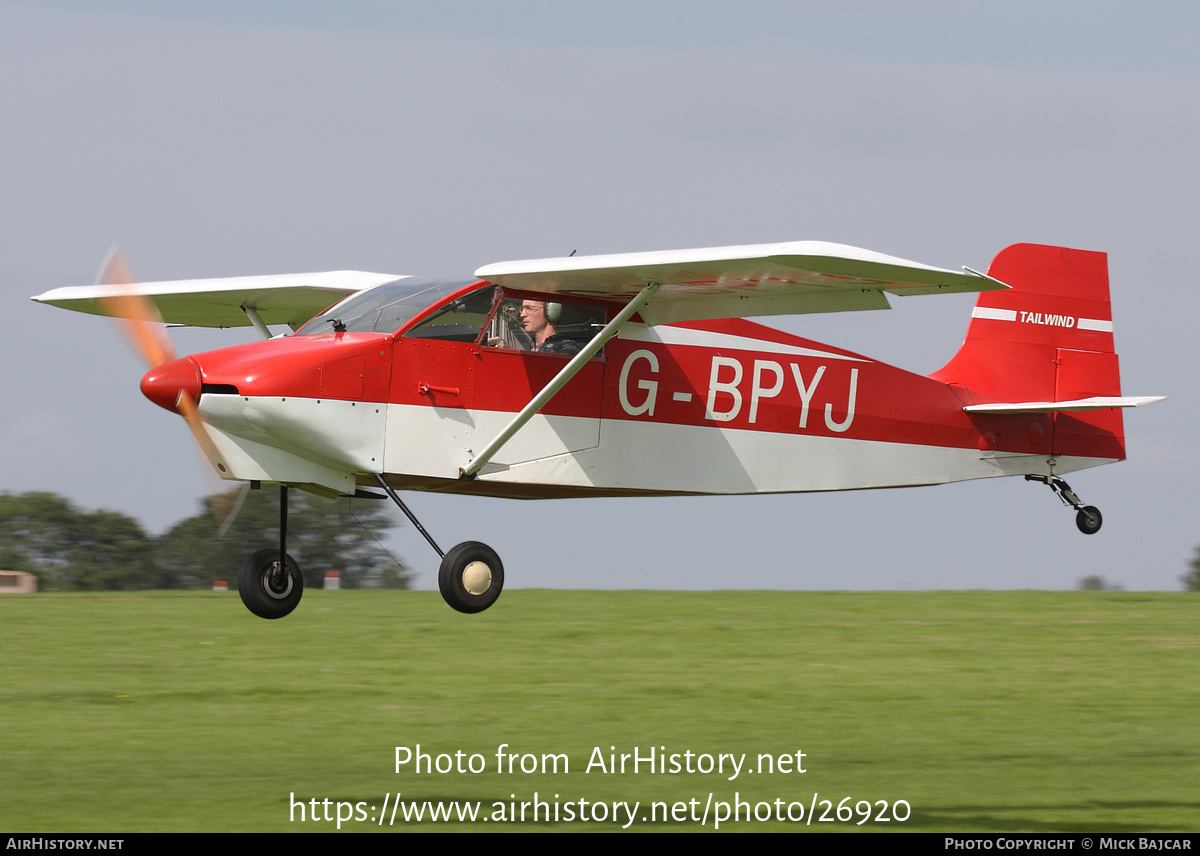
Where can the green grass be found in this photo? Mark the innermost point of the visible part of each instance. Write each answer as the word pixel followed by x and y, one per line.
pixel 1012 711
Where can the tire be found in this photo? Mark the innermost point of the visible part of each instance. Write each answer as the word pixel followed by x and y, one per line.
pixel 1089 520
pixel 267 597
pixel 471 577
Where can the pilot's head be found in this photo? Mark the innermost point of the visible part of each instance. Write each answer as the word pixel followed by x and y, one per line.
pixel 533 319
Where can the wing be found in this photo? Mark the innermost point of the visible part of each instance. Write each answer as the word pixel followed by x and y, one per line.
pixel 734 282
pixel 288 299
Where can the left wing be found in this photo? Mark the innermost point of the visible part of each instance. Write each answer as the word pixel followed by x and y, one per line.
pixel 288 299
pixel 734 282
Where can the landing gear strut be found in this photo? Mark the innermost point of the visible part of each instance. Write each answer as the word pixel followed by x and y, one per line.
pixel 1087 517
pixel 471 575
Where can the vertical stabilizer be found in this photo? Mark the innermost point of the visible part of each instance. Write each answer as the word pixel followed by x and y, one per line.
pixel 1049 337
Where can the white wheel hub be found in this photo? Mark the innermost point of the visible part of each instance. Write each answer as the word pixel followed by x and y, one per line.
pixel 477 578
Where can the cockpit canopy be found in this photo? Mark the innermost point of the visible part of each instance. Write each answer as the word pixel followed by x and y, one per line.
pixel 488 315
pixel 384 308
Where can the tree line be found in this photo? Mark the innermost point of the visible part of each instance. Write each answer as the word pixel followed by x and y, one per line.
pixel 73 549
pixel 1191 580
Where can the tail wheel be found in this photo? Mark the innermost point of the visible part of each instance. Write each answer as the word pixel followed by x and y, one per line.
pixel 1087 517
pixel 471 577
pixel 268 589
pixel 1088 520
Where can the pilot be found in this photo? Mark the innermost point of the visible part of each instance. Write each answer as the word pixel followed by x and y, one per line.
pixel 536 320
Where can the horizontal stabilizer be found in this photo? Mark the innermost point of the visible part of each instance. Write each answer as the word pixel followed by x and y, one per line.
pixel 737 282
pixel 288 299
pixel 1098 402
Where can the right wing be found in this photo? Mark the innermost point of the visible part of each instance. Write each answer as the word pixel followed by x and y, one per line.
pixel 738 282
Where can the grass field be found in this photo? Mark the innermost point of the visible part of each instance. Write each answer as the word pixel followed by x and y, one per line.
pixel 1007 711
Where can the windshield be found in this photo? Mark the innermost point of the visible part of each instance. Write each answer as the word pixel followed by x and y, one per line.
pixel 385 308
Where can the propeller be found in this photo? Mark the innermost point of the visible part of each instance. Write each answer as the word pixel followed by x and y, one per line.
pixel 172 383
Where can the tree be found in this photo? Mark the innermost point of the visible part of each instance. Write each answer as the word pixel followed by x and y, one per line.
pixel 1191 580
pixel 68 548
pixel 1098 583
pixel 341 535
pixel 72 549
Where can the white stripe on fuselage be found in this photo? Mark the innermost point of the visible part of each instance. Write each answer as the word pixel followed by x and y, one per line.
pixel 329 442
pixel 664 458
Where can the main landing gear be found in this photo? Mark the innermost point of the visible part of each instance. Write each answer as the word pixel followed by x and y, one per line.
pixel 471 575
pixel 271 588
pixel 1087 517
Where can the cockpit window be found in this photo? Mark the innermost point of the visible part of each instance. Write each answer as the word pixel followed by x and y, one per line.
pixel 385 308
pixel 558 326
pixel 459 320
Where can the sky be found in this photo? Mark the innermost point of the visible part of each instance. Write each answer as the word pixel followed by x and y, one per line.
pixel 224 139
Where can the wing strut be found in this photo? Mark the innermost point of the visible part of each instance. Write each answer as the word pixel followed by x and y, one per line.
pixel 559 381
pixel 255 321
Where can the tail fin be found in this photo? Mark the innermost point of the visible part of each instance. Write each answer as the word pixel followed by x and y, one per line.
pixel 1048 339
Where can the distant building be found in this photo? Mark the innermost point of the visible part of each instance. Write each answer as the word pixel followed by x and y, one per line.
pixel 17 582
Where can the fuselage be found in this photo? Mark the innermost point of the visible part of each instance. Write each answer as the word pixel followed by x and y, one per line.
pixel 714 407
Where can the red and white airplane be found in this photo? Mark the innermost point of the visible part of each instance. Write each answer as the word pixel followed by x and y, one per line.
pixel 627 375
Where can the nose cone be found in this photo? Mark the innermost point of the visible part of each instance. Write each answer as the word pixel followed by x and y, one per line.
pixel 165 384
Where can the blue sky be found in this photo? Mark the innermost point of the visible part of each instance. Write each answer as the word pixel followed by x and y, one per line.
pixel 1096 36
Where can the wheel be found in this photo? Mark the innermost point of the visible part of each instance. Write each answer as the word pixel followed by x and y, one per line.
pixel 268 591
pixel 471 577
pixel 1088 520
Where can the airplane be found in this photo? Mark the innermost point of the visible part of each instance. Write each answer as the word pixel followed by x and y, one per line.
pixel 625 375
